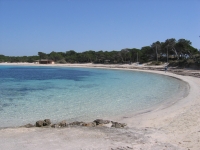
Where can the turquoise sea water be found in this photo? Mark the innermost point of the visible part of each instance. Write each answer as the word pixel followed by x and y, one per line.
pixel 28 93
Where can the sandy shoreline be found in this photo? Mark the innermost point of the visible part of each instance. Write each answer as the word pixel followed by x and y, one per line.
pixel 175 127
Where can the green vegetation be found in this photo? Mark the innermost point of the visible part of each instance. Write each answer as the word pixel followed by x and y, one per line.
pixel 12 59
pixel 175 52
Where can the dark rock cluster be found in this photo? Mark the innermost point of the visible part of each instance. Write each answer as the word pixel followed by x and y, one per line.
pixel 62 124
pixel 42 123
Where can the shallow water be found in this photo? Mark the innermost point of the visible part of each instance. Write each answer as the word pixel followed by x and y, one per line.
pixel 30 93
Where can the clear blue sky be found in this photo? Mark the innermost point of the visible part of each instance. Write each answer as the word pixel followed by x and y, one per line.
pixel 30 26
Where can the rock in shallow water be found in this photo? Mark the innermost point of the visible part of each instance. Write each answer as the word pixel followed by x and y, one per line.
pixel 95 123
pixel 39 123
pixel 118 125
pixel 63 123
pixel 76 123
pixel 89 124
pixel 47 122
pixel 42 123
pixel 101 121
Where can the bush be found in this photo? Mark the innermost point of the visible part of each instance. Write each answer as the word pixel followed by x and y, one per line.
pixel 187 63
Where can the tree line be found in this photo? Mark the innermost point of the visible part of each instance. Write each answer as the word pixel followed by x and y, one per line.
pixel 167 51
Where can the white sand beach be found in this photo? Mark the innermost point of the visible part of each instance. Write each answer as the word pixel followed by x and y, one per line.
pixel 172 127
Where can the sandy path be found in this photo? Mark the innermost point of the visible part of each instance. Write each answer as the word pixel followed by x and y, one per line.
pixel 175 127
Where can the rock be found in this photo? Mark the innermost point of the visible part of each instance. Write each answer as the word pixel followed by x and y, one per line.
pixel 101 121
pixel 97 122
pixel 123 124
pixel 47 122
pixel 62 123
pixel 55 126
pixel 29 125
pixel 118 125
pixel 42 123
pixel 107 125
pixel 89 124
pixel 39 123
pixel 76 123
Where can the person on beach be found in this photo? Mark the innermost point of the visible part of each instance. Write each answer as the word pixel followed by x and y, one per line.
pixel 165 69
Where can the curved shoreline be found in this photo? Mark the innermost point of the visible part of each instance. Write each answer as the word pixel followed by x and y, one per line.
pixel 177 125
pixel 158 106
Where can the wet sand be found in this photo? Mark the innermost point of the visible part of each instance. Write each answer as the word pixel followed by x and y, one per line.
pixel 174 127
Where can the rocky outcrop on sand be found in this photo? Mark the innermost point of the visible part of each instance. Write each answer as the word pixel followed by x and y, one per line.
pixel 42 123
pixel 62 124
pixel 101 121
pixel 118 125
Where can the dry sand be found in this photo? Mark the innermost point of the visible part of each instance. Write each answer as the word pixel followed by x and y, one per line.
pixel 170 128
